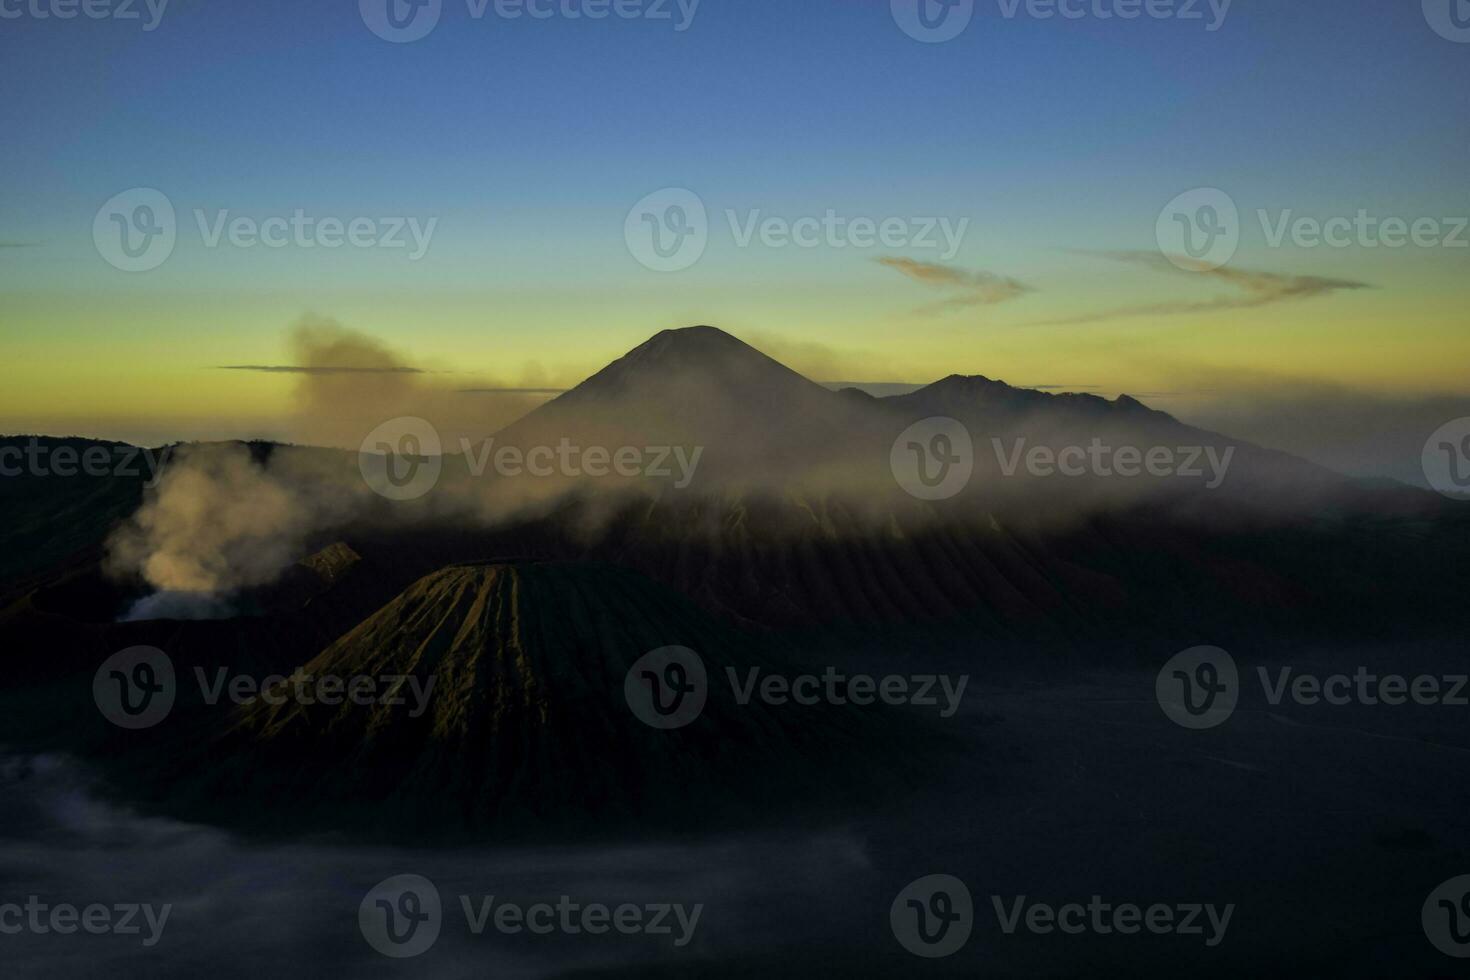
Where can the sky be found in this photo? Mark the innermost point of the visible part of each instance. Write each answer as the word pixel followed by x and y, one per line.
pixel 531 153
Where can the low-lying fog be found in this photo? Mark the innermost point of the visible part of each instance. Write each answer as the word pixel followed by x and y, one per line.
pixel 241 909
pixel 1325 826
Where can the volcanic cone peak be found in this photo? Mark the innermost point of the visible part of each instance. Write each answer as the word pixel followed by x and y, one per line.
pixel 527 719
pixel 697 386
pixel 708 352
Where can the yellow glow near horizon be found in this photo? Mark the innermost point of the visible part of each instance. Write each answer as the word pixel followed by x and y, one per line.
pixel 93 363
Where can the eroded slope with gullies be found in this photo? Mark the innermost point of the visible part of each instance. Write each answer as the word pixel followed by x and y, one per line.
pixel 527 723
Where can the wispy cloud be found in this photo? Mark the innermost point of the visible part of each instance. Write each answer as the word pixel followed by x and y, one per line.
pixel 1256 289
pixel 510 391
pixel 316 369
pixel 967 288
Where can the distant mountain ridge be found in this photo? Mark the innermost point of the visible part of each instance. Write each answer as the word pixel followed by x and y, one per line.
pixel 764 427
pixel 733 369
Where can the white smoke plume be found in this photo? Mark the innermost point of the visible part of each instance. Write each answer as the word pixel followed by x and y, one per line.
pixel 220 522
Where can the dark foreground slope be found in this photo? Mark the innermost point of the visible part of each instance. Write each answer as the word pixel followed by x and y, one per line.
pixel 527 725
pixel 60 498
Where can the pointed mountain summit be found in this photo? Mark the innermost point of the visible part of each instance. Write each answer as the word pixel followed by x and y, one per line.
pixel 698 387
pixel 698 364
pixel 758 425
pixel 705 351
